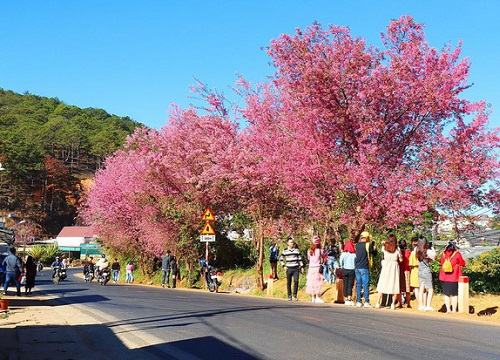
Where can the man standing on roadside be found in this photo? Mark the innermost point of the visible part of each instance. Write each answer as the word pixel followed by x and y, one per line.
pixel 165 268
pixel 365 252
pixel 292 261
pixel 13 268
pixel 115 267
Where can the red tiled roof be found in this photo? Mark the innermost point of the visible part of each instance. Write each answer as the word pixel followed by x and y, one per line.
pixel 77 231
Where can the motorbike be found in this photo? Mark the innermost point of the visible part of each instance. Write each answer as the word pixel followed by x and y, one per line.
pixel 103 276
pixel 59 275
pixel 213 278
pixel 88 273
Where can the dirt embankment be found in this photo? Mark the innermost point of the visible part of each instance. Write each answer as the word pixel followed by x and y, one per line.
pixel 482 307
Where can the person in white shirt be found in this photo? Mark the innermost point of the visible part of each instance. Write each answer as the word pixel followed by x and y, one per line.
pixel 102 263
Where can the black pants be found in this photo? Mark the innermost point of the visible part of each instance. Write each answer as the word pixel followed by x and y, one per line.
pixel 386 300
pixel 348 276
pixel 292 273
pixel 175 275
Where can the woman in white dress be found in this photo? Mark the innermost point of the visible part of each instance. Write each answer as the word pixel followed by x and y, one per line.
pixel 388 282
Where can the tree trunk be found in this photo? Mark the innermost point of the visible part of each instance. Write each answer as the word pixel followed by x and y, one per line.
pixel 260 259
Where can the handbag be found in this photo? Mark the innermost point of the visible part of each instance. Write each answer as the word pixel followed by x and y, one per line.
pixel 321 263
pixel 23 280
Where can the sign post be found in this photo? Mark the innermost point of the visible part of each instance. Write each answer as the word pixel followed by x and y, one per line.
pixel 208 232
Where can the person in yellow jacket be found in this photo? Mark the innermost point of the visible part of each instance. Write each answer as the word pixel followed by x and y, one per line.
pixel 413 263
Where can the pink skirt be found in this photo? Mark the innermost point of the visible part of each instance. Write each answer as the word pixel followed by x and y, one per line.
pixel 314 281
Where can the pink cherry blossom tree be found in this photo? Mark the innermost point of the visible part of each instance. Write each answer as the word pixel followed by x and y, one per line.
pixel 366 136
pixel 151 196
pixel 344 133
pixel 273 212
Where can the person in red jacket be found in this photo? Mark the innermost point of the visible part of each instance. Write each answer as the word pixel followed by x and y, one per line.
pixel 404 274
pixel 450 279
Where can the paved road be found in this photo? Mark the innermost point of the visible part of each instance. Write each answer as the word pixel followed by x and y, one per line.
pixel 138 322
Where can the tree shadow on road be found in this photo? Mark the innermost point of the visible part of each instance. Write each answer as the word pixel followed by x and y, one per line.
pixel 99 342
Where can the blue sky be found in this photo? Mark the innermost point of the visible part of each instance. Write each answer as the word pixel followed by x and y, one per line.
pixel 136 58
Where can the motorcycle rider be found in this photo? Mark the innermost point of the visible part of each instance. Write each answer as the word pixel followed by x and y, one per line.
pixel 64 264
pixel 101 264
pixel 206 269
pixel 88 267
pixel 55 266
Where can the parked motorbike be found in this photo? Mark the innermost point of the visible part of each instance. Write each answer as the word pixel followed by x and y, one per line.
pixel 213 278
pixel 103 276
pixel 59 275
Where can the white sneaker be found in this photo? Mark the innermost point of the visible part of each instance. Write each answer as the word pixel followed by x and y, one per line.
pixel 421 308
pixel 348 303
pixel 313 300
pixel 429 308
pixel 367 305
pixel 358 304
pixel 377 306
pixel 319 300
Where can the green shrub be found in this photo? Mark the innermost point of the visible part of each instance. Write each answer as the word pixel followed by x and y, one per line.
pixel 484 272
pixel 435 268
pixel 49 254
pixel 37 252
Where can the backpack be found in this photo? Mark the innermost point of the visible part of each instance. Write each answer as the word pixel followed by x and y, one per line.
pixel 370 256
pixel 447 266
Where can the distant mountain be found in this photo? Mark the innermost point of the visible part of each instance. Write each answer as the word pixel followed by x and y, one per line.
pixel 46 147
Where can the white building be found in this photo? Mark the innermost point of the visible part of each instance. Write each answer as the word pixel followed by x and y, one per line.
pixel 78 239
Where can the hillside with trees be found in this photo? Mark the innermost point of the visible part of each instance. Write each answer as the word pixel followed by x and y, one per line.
pixel 47 147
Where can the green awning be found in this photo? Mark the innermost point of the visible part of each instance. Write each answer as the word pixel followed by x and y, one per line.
pixel 66 248
pixel 90 249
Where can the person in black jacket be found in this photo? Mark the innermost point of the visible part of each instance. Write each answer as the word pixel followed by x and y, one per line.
pixel 165 268
pixel 115 267
pixel 174 269
pixel 365 252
